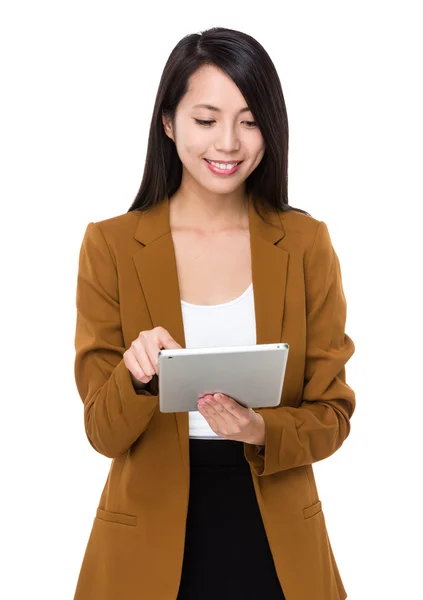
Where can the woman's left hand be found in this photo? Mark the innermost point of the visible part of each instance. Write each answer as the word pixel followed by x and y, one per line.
pixel 229 419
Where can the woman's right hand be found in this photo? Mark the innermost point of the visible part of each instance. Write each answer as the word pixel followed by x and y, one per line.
pixel 141 358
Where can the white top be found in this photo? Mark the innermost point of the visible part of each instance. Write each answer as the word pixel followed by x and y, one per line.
pixel 230 324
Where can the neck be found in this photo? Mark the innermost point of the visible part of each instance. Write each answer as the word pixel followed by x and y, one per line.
pixel 209 212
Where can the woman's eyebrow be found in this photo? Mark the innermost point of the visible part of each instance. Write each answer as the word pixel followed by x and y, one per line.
pixel 210 107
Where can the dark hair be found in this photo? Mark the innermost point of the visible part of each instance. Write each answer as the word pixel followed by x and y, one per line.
pixel 247 63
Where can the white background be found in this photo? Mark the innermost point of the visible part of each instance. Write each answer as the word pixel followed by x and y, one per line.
pixel 78 82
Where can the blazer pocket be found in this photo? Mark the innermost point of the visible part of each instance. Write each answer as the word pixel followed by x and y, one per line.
pixel 113 517
pixel 314 509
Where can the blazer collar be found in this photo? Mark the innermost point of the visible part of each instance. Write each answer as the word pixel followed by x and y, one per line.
pixel 155 223
pixel 155 263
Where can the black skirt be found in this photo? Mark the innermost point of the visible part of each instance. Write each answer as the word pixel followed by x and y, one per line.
pixel 227 554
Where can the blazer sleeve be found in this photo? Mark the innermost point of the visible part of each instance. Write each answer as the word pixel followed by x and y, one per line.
pixel 115 414
pixel 318 427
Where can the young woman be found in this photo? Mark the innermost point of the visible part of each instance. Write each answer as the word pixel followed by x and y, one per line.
pixel 219 503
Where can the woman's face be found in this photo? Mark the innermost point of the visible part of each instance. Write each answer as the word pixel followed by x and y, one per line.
pixel 229 134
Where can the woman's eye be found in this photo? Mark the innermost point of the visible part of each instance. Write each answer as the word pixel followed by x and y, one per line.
pixel 208 123
pixel 200 122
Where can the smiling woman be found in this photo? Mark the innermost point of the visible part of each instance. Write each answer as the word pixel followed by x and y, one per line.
pixel 229 145
pixel 220 502
pixel 213 105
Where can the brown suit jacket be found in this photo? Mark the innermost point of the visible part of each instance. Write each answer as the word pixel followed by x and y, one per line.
pixel 128 282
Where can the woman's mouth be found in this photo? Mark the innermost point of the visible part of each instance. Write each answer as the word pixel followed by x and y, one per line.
pixel 222 168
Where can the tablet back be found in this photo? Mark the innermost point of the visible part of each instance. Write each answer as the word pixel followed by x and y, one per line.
pixel 251 375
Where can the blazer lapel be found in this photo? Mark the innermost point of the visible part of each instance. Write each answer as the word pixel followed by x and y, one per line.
pixel 155 262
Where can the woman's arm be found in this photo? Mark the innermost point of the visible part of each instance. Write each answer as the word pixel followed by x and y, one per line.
pixel 115 413
pixel 318 427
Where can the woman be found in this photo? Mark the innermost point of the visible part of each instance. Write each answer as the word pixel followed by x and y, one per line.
pixel 220 503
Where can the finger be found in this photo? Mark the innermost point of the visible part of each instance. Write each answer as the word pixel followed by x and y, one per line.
pixel 224 420
pixel 153 355
pixel 208 415
pixel 164 339
pixel 147 350
pixel 135 368
pixel 213 425
pixel 231 406
pixel 142 356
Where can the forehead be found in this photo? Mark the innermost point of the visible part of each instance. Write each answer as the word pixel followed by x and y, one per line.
pixel 210 86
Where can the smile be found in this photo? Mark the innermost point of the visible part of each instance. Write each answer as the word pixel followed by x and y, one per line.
pixel 223 168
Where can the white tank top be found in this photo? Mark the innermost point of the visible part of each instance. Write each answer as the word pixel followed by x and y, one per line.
pixel 230 324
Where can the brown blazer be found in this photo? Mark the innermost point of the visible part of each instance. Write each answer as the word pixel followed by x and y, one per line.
pixel 127 282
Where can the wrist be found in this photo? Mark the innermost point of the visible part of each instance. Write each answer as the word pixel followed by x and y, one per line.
pixel 259 436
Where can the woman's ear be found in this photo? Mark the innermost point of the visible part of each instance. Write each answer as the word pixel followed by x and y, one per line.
pixel 167 124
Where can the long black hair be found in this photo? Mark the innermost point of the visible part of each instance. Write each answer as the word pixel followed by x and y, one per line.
pixel 247 63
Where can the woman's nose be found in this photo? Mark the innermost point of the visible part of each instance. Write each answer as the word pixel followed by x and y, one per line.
pixel 227 139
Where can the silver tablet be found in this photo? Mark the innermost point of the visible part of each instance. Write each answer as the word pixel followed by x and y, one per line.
pixel 251 375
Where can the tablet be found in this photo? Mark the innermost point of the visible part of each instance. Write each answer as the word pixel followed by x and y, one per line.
pixel 251 375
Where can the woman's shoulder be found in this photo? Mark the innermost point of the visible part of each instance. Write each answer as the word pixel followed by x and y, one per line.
pixel 120 224
pixel 300 227
pixel 308 235
pixel 296 219
pixel 117 233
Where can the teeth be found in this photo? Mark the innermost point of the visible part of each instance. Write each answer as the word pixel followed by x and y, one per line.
pixel 222 165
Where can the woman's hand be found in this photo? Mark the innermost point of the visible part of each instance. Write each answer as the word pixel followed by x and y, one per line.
pixel 141 358
pixel 229 419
